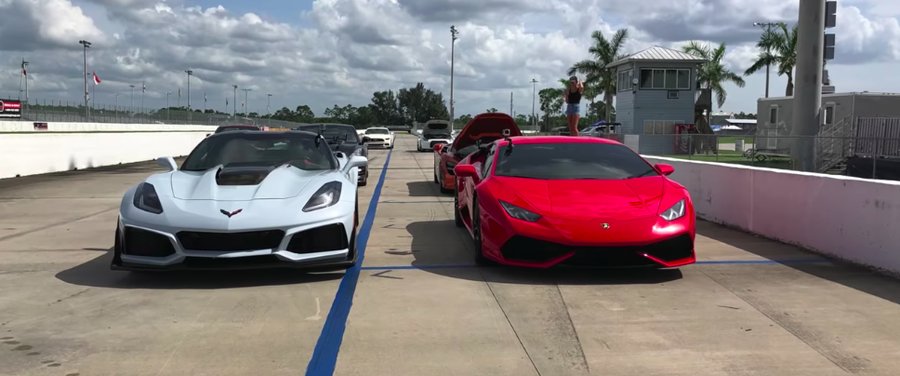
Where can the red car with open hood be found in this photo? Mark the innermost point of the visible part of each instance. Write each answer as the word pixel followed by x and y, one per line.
pixel 547 200
pixel 481 130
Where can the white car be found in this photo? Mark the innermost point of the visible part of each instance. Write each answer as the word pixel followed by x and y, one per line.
pixel 378 137
pixel 244 200
pixel 434 132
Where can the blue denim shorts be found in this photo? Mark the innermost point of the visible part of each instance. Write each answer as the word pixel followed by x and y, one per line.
pixel 573 109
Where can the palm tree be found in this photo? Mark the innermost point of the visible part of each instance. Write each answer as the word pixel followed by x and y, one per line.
pixel 713 74
pixel 778 47
pixel 595 71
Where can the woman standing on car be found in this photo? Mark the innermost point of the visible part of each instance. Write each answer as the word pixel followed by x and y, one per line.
pixel 573 93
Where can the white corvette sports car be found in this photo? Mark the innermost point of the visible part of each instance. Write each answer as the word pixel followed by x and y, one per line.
pixel 378 137
pixel 244 200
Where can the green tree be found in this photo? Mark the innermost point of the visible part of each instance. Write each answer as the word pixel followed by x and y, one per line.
pixel 491 110
pixel 304 114
pixel 596 73
pixel 385 108
pixel 463 120
pixel 551 100
pixel 713 74
pixel 779 48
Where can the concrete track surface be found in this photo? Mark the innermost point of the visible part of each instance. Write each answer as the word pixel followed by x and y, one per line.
pixel 749 307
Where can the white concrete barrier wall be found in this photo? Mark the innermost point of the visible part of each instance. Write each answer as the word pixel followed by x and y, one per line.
pixel 853 219
pixel 66 146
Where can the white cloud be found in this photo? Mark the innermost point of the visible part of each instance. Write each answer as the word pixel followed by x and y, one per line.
pixel 340 51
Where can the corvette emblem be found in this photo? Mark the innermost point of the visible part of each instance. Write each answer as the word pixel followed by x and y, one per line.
pixel 230 214
pixel 605 226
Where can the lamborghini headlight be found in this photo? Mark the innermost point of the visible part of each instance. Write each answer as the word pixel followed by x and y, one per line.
pixel 674 212
pixel 145 198
pixel 519 213
pixel 328 195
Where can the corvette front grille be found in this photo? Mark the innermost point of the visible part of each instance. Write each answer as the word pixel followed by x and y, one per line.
pixel 146 243
pixel 320 239
pixel 230 241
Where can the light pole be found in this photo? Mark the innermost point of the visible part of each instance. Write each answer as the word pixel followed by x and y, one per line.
pixel 25 73
pixel 86 45
pixel 268 102
pixel 143 89
pixel 190 112
pixel 246 106
pixel 768 27
pixel 117 106
pixel 234 102
pixel 132 98
pixel 168 110
pixel 453 37
pixel 533 91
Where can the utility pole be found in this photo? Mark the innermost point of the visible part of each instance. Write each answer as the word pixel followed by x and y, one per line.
pixel 234 102
pixel 533 92
pixel 454 35
pixel 190 112
pixel 768 26
pixel 86 45
pixel 246 106
pixel 25 74
pixel 511 104
pixel 808 90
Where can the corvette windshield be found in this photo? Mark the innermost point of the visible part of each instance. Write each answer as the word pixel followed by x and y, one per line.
pixel 378 131
pixel 261 149
pixel 558 161
pixel 334 133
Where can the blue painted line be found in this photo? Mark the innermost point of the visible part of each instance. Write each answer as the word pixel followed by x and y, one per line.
pixel 324 357
pixel 417 267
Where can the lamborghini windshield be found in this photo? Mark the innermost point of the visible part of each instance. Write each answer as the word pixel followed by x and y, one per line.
pixel 229 149
pixel 572 161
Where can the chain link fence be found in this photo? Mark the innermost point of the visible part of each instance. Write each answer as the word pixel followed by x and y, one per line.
pixel 64 111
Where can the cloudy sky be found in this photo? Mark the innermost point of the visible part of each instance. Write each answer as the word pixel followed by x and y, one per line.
pixel 327 52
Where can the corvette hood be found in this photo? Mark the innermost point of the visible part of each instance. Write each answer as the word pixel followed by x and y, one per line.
pixel 242 184
pixel 621 199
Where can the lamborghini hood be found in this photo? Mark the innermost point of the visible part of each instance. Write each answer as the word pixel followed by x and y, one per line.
pixel 622 199
pixel 485 125
pixel 242 183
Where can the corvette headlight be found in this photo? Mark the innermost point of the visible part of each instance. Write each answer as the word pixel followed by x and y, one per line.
pixel 519 213
pixel 674 212
pixel 328 195
pixel 145 198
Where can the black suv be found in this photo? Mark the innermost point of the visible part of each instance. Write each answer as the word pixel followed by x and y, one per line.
pixel 342 138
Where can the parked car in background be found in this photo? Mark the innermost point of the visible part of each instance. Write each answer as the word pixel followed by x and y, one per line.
pixel 481 130
pixel 237 127
pixel 434 132
pixel 378 137
pixel 600 129
pixel 342 138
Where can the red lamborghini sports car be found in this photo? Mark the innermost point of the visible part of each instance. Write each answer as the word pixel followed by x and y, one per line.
pixel 482 129
pixel 581 201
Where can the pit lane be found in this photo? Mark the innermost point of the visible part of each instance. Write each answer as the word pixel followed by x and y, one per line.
pixel 419 306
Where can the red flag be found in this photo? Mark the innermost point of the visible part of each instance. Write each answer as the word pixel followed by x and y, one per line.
pixel 96 79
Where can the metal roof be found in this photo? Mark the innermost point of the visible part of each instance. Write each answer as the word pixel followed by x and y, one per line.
pixel 657 53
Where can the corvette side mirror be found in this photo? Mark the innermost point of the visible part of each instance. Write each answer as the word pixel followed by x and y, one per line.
pixel 167 162
pixel 464 170
pixel 355 161
pixel 665 169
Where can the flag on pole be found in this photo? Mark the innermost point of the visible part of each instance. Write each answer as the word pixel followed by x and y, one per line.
pixel 24 71
pixel 96 79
